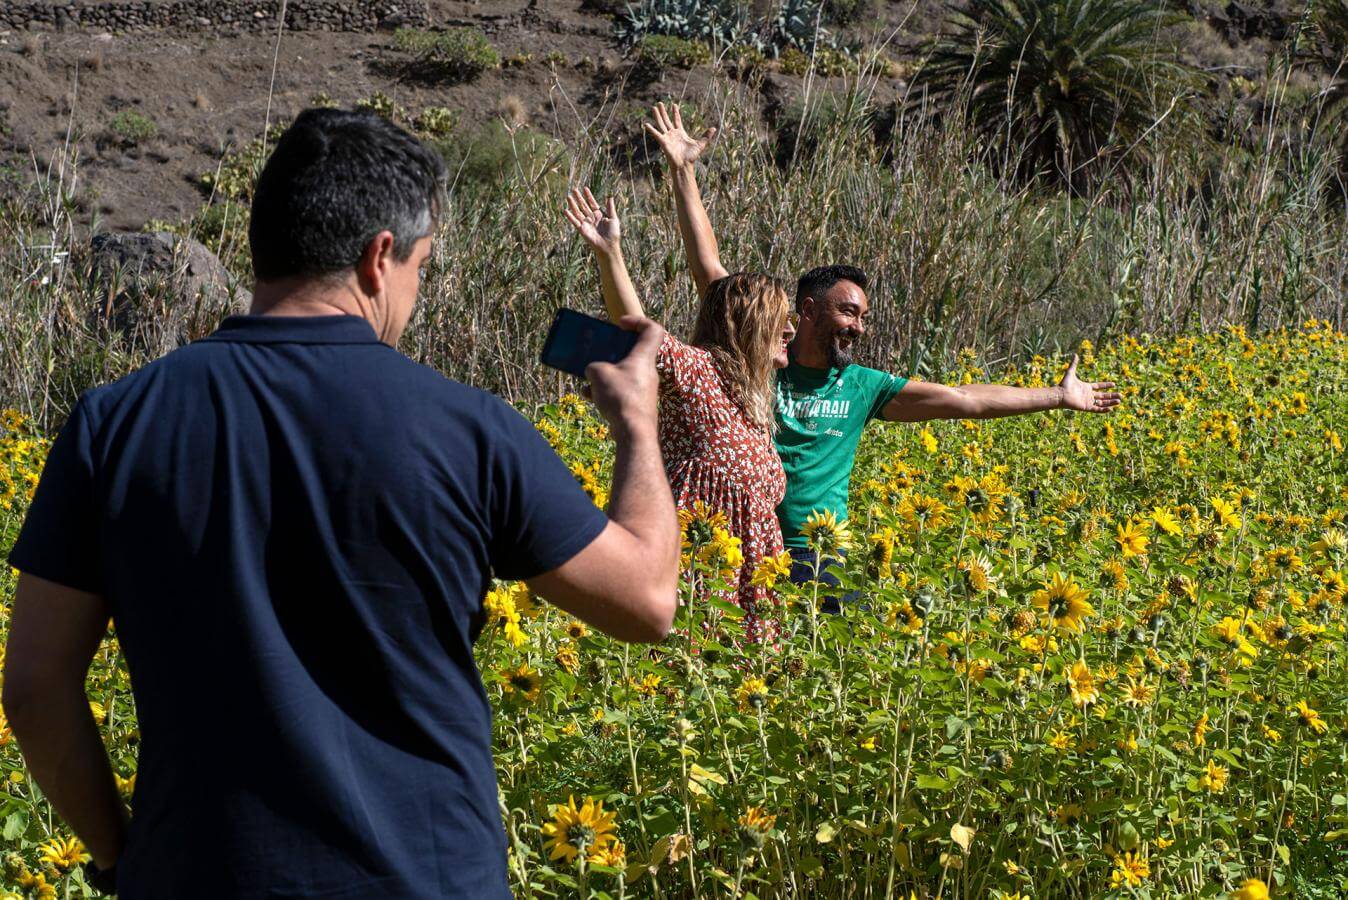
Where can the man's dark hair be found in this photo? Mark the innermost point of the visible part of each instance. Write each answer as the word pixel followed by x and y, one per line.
pixel 816 282
pixel 335 180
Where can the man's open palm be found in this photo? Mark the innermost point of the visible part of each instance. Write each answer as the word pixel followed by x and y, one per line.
pixel 680 147
pixel 1087 396
pixel 597 224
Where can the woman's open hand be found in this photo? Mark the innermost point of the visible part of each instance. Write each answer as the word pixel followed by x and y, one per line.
pixel 598 225
pixel 681 148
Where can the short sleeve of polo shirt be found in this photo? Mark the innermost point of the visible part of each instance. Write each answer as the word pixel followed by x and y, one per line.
pixel 883 388
pixel 540 516
pixel 59 538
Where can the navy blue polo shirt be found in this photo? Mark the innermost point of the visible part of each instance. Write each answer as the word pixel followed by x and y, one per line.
pixel 295 525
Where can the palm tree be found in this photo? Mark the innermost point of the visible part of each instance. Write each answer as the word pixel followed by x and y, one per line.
pixel 1056 86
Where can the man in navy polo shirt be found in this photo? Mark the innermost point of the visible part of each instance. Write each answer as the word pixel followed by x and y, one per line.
pixel 292 526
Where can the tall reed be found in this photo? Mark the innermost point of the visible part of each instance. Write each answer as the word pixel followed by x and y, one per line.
pixel 960 256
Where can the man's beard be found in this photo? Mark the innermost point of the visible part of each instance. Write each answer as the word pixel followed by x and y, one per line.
pixel 838 358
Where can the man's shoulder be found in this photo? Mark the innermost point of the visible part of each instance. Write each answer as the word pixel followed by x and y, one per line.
pixel 398 379
pixel 874 380
pixel 866 375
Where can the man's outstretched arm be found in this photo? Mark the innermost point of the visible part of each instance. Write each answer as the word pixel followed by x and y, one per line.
pixel 920 401
pixel 682 151
pixel 54 633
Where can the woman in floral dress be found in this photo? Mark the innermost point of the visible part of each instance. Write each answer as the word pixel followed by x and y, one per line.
pixel 716 396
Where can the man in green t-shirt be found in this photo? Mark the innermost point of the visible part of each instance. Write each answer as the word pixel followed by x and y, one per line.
pixel 823 400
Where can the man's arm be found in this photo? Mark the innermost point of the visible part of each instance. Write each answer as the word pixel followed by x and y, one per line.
pixel 920 401
pixel 603 232
pixel 625 582
pixel 54 633
pixel 682 151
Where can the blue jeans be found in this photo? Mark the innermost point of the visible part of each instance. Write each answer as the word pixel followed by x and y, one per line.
pixel 802 571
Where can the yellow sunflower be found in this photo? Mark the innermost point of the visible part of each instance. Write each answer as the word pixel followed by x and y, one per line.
pixel 1226 516
pixel 771 569
pixel 1064 601
pixel 63 853
pixel 923 513
pixel 1081 682
pixel 1309 717
pixel 752 694
pixel 1214 778
pixel 825 534
pixel 1137 692
pixel 1250 889
pixel 1130 869
pixel 1165 520
pixel 575 831
pixel 698 525
pixel 1132 539
pixel 524 681
pixel 755 825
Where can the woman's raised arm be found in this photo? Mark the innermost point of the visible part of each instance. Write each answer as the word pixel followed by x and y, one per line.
pixel 602 231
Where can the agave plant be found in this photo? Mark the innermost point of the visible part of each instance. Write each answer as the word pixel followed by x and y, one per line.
pixel 731 23
pixel 1061 84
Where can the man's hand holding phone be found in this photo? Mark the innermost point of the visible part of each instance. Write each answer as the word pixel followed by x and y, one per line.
pixel 626 393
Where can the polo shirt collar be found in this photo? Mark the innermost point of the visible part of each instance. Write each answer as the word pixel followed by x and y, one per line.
pixel 337 329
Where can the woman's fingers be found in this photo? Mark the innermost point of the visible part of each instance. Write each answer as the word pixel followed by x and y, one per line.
pixel 678 117
pixel 612 209
pixel 594 204
pixel 571 217
pixel 576 205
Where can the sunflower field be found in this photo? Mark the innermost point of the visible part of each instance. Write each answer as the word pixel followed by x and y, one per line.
pixel 1088 657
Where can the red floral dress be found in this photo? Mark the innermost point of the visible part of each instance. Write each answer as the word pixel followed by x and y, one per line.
pixel 713 453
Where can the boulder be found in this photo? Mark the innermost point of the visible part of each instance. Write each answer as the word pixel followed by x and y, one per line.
pixel 1245 21
pixel 159 275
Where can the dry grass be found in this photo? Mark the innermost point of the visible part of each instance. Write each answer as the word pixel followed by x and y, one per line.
pixel 960 257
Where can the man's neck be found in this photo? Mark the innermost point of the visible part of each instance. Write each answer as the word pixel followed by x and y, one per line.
pixel 308 297
pixel 807 356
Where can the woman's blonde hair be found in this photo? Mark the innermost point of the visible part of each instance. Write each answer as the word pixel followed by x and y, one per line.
pixel 740 323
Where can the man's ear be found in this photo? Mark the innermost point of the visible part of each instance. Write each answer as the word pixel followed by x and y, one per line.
pixel 375 262
pixel 809 309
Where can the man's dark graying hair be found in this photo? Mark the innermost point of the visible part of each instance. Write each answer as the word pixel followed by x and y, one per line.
pixel 816 282
pixel 335 180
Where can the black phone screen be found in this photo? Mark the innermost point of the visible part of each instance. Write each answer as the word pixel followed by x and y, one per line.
pixel 575 340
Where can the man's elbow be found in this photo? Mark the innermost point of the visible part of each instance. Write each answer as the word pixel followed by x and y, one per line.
pixel 655 616
pixel 659 616
pixel 964 405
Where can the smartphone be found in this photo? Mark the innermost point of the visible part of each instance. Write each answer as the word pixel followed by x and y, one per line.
pixel 575 340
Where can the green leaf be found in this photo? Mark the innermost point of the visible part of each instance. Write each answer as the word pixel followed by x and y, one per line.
pixel 933 783
pixel 16 823
pixel 825 833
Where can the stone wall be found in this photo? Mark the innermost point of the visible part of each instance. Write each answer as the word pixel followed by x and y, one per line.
pixel 197 15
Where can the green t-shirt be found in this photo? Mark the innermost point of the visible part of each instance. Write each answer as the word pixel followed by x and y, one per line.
pixel 820 417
